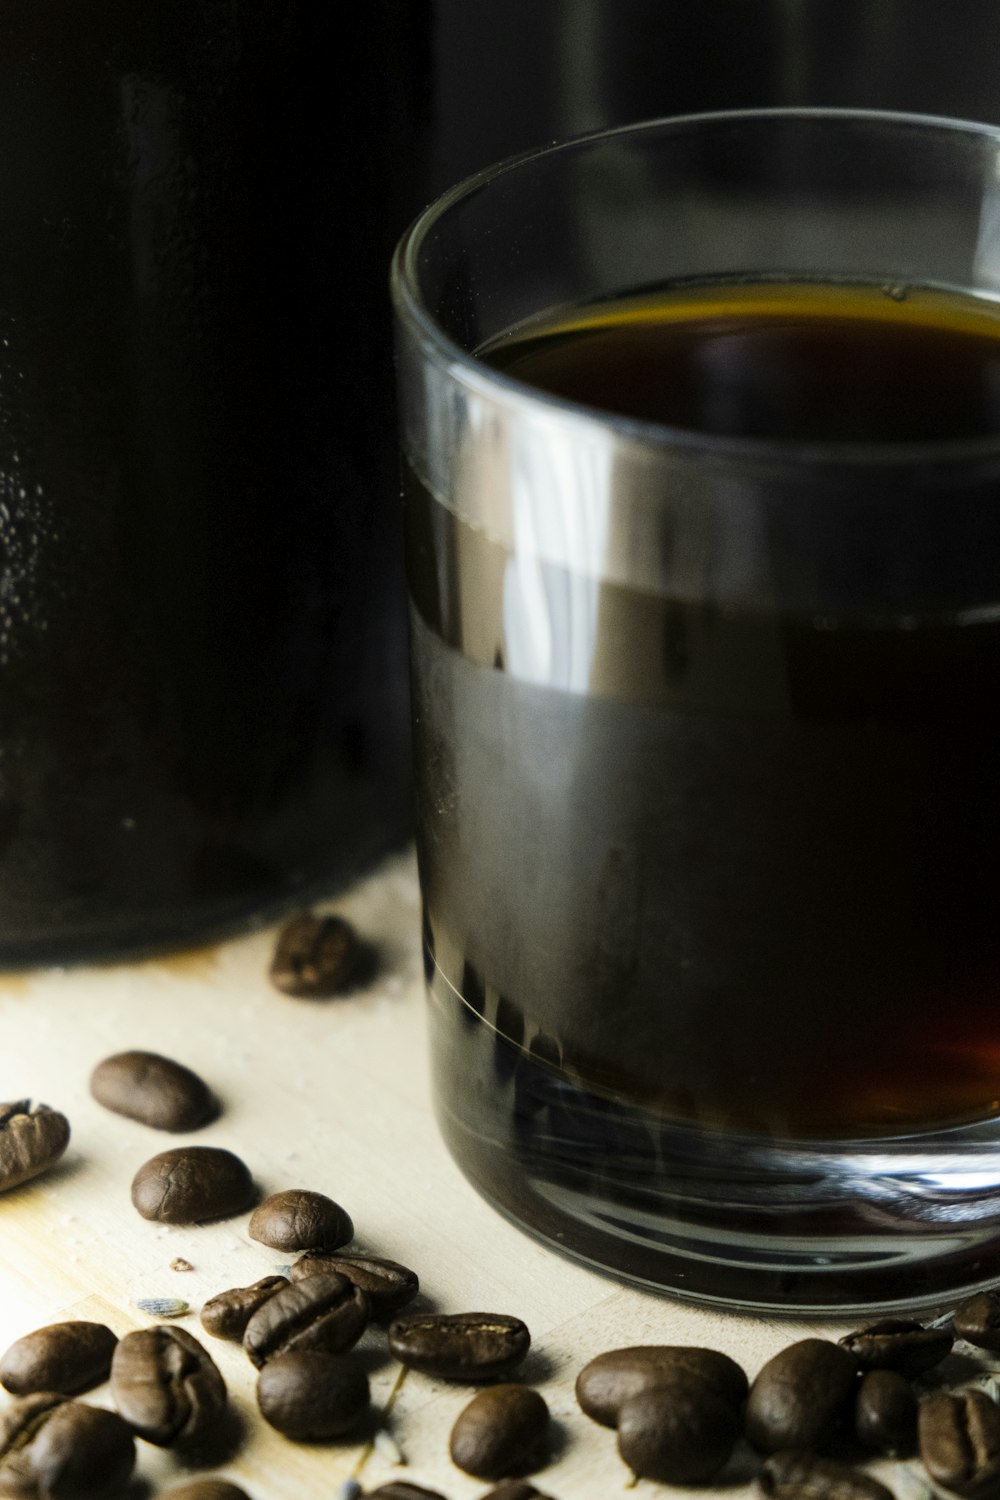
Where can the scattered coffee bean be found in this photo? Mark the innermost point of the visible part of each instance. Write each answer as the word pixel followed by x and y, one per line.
pixel 226 1315
pixel 613 1378
pixel 311 1395
pixel 300 1220
pixel 63 1450
pixel 180 1264
pixel 162 1307
pixel 898 1344
pixel 678 1432
pixel 316 957
pixel 796 1475
pixel 154 1090
pixel 801 1396
pixel 319 1312
pixel 166 1386
pixel 502 1433
pixel 402 1489
pixel 387 1285
pixel 32 1138
pixel 885 1413
pixel 959 1438
pixel 206 1489
pixel 192 1185
pixel 468 1346
pixel 62 1357
pixel 515 1489
pixel 977 1320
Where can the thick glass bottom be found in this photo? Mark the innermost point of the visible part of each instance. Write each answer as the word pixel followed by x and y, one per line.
pixel 887 1223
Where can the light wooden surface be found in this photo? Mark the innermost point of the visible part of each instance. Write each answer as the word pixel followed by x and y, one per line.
pixel 327 1095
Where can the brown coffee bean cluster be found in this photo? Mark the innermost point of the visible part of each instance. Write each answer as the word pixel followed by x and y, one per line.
pixel 813 1407
pixel 814 1413
pixel 677 1411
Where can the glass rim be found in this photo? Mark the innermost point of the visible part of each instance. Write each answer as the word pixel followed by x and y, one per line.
pixel 488 381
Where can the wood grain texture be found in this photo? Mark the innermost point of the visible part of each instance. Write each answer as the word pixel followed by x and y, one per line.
pixel 327 1095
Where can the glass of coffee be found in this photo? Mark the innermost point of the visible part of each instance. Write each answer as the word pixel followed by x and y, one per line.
pixel 701 431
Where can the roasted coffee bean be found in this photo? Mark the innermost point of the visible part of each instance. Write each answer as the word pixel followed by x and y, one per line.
pixel 501 1433
pixel 959 1438
pixel 311 1395
pixel 62 1357
pixel 801 1396
pixel 63 1450
pixel 192 1185
pixel 166 1386
pixel 316 957
pixel 319 1312
pixel 797 1475
pixel 226 1315
pixel 515 1489
pixel 468 1346
pixel 206 1489
pixel 300 1220
pixel 401 1489
pixel 614 1377
pixel 154 1090
pixel 32 1138
pixel 977 1320
pixel 885 1413
pixel 387 1285
pixel 898 1344
pixel 678 1432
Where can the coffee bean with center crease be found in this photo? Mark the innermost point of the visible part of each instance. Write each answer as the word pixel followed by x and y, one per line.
pixel 801 1396
pixel 63 1450
pixel 316 957
pixel 320 1312
pixel 680 1431
pixel 32 1138
pixel 154 1090
pixel 206 1489
pixel 62 1357
pixel 387 1285
pixel 192 1185
pixel 885 1413
pixel 501 1433
pixel 959 1438
pixel 898 1344
pixel 298 1219
pixel 977 1320
pixel 167 1387
pixel 468 1346
pixel 311 1395
pixel 226 1315
pixel 797 1475
pixel 612 1378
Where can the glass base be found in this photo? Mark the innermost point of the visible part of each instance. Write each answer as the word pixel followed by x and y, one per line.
pixel 885 1224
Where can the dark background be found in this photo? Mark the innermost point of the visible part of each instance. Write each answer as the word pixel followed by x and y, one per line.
pixel 511 74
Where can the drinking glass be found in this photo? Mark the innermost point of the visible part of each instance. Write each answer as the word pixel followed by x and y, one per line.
pixel 707 733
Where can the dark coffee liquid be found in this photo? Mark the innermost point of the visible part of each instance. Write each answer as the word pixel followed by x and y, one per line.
pixel 741 877
pixel 795 363
pixel 203 709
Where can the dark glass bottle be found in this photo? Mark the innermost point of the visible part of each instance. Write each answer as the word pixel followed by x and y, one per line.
pixel 202 638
